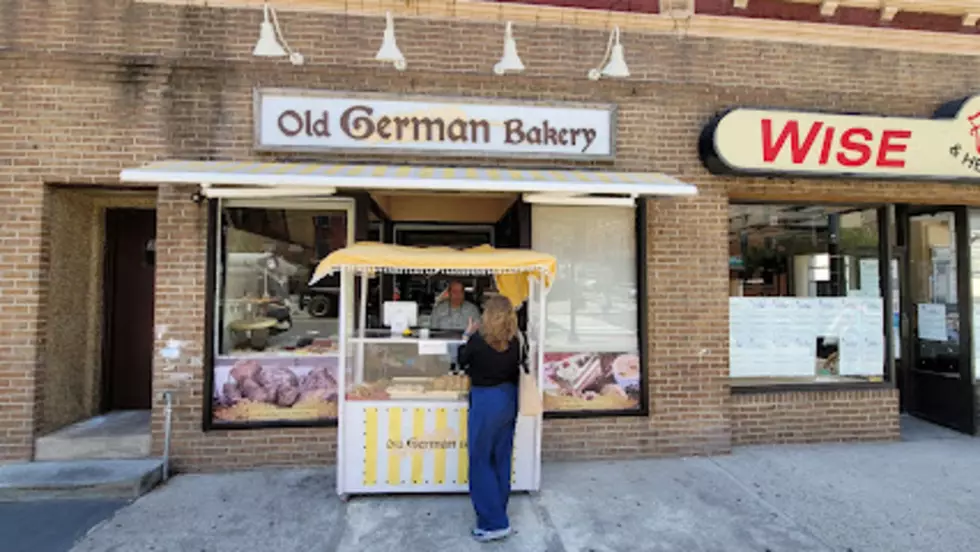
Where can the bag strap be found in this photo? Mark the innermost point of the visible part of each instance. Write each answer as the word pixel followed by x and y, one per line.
pixel 522 339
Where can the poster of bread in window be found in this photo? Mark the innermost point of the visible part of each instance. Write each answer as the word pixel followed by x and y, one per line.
pixel 591 381
pixel 268 390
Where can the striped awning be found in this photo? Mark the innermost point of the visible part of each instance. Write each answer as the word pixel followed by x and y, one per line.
pixel 298 179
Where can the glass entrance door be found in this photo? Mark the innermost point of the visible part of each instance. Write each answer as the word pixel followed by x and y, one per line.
pixel 935 359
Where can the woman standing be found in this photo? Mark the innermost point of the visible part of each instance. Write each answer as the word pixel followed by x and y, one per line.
pixel 492 358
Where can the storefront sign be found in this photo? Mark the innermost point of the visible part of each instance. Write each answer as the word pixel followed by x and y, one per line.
pixel 306 121
pixel 773 142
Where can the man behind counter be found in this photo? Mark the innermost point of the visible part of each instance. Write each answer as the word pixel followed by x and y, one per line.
pixel 452 310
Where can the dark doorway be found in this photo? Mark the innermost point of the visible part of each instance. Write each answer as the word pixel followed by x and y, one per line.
pixel 128 306
pixel 936 365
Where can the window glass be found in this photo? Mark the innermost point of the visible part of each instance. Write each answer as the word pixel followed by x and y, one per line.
pixel 591 346
pixel 806 303
pixel 276 337
pixel 975 285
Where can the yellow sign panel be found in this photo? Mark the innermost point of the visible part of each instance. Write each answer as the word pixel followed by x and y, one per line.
pixel 383 434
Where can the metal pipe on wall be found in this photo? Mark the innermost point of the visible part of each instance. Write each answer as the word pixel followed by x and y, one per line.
pixel 168 409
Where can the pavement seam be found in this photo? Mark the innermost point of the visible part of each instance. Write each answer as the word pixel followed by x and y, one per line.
pixel 554 544
pixel 78 540
pixel 340 527
pixel 772 507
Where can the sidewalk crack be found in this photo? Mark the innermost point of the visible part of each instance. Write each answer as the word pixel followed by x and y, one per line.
pixel 339 528
pixel 554 542
pixel 772 507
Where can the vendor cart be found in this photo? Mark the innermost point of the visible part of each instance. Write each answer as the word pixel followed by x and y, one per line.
pixel 403 402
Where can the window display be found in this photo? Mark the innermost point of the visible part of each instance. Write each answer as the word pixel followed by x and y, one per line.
pixel 275 353
pixel 591 361
pixel 806 298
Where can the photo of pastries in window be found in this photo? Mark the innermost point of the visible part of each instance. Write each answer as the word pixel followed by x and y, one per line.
pixel 591 381
pixel 250 390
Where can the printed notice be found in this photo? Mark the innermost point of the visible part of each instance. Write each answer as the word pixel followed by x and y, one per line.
pixel 429 347
pixel 932 321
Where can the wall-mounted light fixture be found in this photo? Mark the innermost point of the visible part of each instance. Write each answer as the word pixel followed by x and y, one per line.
pixel 614 62
pixel 510 62
pixel 271 42
pixel 389 51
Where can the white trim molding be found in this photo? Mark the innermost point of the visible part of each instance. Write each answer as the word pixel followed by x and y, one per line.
pixel 889 11
pixel 959 8
pixel 828 7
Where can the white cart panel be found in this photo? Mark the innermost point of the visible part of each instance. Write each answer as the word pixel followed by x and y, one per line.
pixel 420 447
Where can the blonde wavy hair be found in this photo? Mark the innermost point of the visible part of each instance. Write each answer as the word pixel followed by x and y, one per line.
pixel 498 325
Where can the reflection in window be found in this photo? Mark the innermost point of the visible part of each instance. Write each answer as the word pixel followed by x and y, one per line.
pixel 591 360
pixel 276 336
pixel 805 294
pixel 932 289
pixel 975 284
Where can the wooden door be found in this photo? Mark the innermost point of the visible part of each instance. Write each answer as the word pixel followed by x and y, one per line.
pixel 128 308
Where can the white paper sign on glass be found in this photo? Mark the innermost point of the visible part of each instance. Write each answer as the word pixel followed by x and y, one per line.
pixel 777 337
pixel 870 279
pixel 932 321
pixel 320 121
pixel 429 347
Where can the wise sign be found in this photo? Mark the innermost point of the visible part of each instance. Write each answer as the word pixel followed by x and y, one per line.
pixel 773 142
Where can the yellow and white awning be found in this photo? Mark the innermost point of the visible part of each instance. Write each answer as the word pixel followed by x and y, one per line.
pixel 238 179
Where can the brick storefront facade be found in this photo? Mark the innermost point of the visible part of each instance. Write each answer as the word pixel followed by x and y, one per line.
pixel 91 88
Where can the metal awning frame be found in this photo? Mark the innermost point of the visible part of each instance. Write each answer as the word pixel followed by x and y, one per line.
pixel 301 180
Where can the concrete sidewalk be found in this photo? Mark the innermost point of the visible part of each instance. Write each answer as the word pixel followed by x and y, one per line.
pixel 921 494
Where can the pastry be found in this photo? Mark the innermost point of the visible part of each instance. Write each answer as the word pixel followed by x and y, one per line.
pixel 579 372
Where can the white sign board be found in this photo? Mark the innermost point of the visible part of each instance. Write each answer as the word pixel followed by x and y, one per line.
pixel 932 321
pixel 777 336
pixel 313 121
pixel 760 141
pixel 429 347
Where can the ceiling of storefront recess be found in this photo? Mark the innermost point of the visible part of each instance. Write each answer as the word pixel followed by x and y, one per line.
pixel 432 207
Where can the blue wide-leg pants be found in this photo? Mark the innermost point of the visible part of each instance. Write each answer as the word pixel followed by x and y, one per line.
pixel 491 422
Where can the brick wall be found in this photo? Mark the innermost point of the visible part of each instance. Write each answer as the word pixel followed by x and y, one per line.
pixel 91 88
pixel 798 417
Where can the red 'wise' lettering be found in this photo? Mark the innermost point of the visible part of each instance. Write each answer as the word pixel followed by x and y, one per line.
pixel 888 145
pixel 849 144
pixel 791 132
pixel 828 141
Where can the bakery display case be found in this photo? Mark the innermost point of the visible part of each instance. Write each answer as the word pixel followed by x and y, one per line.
pixel 407 368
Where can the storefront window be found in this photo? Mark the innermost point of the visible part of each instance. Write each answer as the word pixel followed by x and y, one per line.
pixel 806 299
pixel 591 342
pixel 276 337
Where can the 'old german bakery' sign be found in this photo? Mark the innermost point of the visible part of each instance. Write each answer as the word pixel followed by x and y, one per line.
pixel 313 121
pixel 775 142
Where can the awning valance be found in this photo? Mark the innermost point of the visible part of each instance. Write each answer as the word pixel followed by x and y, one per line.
pixel 511 268
pixel 224 178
